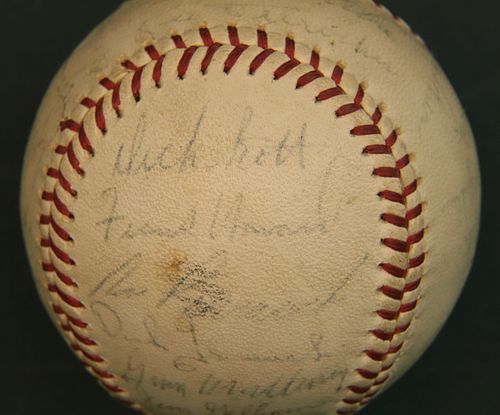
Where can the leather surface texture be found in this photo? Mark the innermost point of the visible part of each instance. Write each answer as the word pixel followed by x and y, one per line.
pixel 250 207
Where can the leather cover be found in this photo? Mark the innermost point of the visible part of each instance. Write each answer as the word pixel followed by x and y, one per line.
pixel 250 207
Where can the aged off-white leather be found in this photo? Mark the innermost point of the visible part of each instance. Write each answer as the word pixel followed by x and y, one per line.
pixel 224 250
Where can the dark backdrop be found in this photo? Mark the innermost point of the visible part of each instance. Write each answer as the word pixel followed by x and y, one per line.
pixel 457 375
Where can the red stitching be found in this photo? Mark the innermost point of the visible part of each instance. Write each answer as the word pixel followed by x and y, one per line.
pixel 377 116
pixel 115 98
pixel 337 74
pixel 73 320
pixel 390 195
pixel 262 39
pixel 82 135
pixel 185 61
pixel 59 230
pixel 58 252
pixel 396 244
pixel 136 79
pixel 329 93
pixel 207 60
pixel 92 357
pixel 75 326
pixel 178 42
pixel 347 109
pixel 362 130
pixel 99 112
pixel 68 299
pixel 58 203
pixel 358 99
pixel 233 57
pixel 307 78
pixel 234 38
pixel 66 279
pixel 290 47
pixel 259 60
pixel 387 172
pixel 285 68
pixel 82 339
pixel 206 37
pixel 314 61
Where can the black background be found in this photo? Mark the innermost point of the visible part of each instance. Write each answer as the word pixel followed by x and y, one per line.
pixel 39 375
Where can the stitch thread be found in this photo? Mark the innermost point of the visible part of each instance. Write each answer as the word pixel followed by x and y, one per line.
pixel 82 343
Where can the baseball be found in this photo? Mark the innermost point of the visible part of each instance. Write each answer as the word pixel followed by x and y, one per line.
pixel 252 207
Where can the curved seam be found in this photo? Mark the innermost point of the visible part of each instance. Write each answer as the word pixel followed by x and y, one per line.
pixel 357 393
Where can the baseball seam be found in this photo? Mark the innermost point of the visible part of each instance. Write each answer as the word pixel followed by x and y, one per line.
pixel 389 335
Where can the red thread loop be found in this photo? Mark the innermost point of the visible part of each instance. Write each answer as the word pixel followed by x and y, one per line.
pixel 65 279
pixel 347 109
pixel 68 299
pixel 153 52
pixel 262 39
pixel 396 244
pixel 100 120
pixel 157 70
pixel 410 189
pixel 207 60
pixel 394 270
pixel 285 68
pixel 136 83
pixel 314 61
pixel 415 212
pixel 392 196
pixel 65 184
pixel 259 60
pixel 387 172
pixel 185 60
pixel 377 149
pixel 234 38
pixel 307 78
pixel 129 65
pixel 416 237
pixel 206 36
pixel 290 47
pixel 330 93
pixel 115 88
pixel 362 130
pixel 391 140
pixel 337 74
pixel 392 292
pixel 73 160
pixel 178 42
pixel 358 99
pixel 417 261
pixel 395 220
pixel 84 141
pixel 377 116
pixel 80 343
pixel 412 286
pixel 233 57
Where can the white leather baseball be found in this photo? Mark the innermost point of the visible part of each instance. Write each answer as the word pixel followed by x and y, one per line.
pixel 249 207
